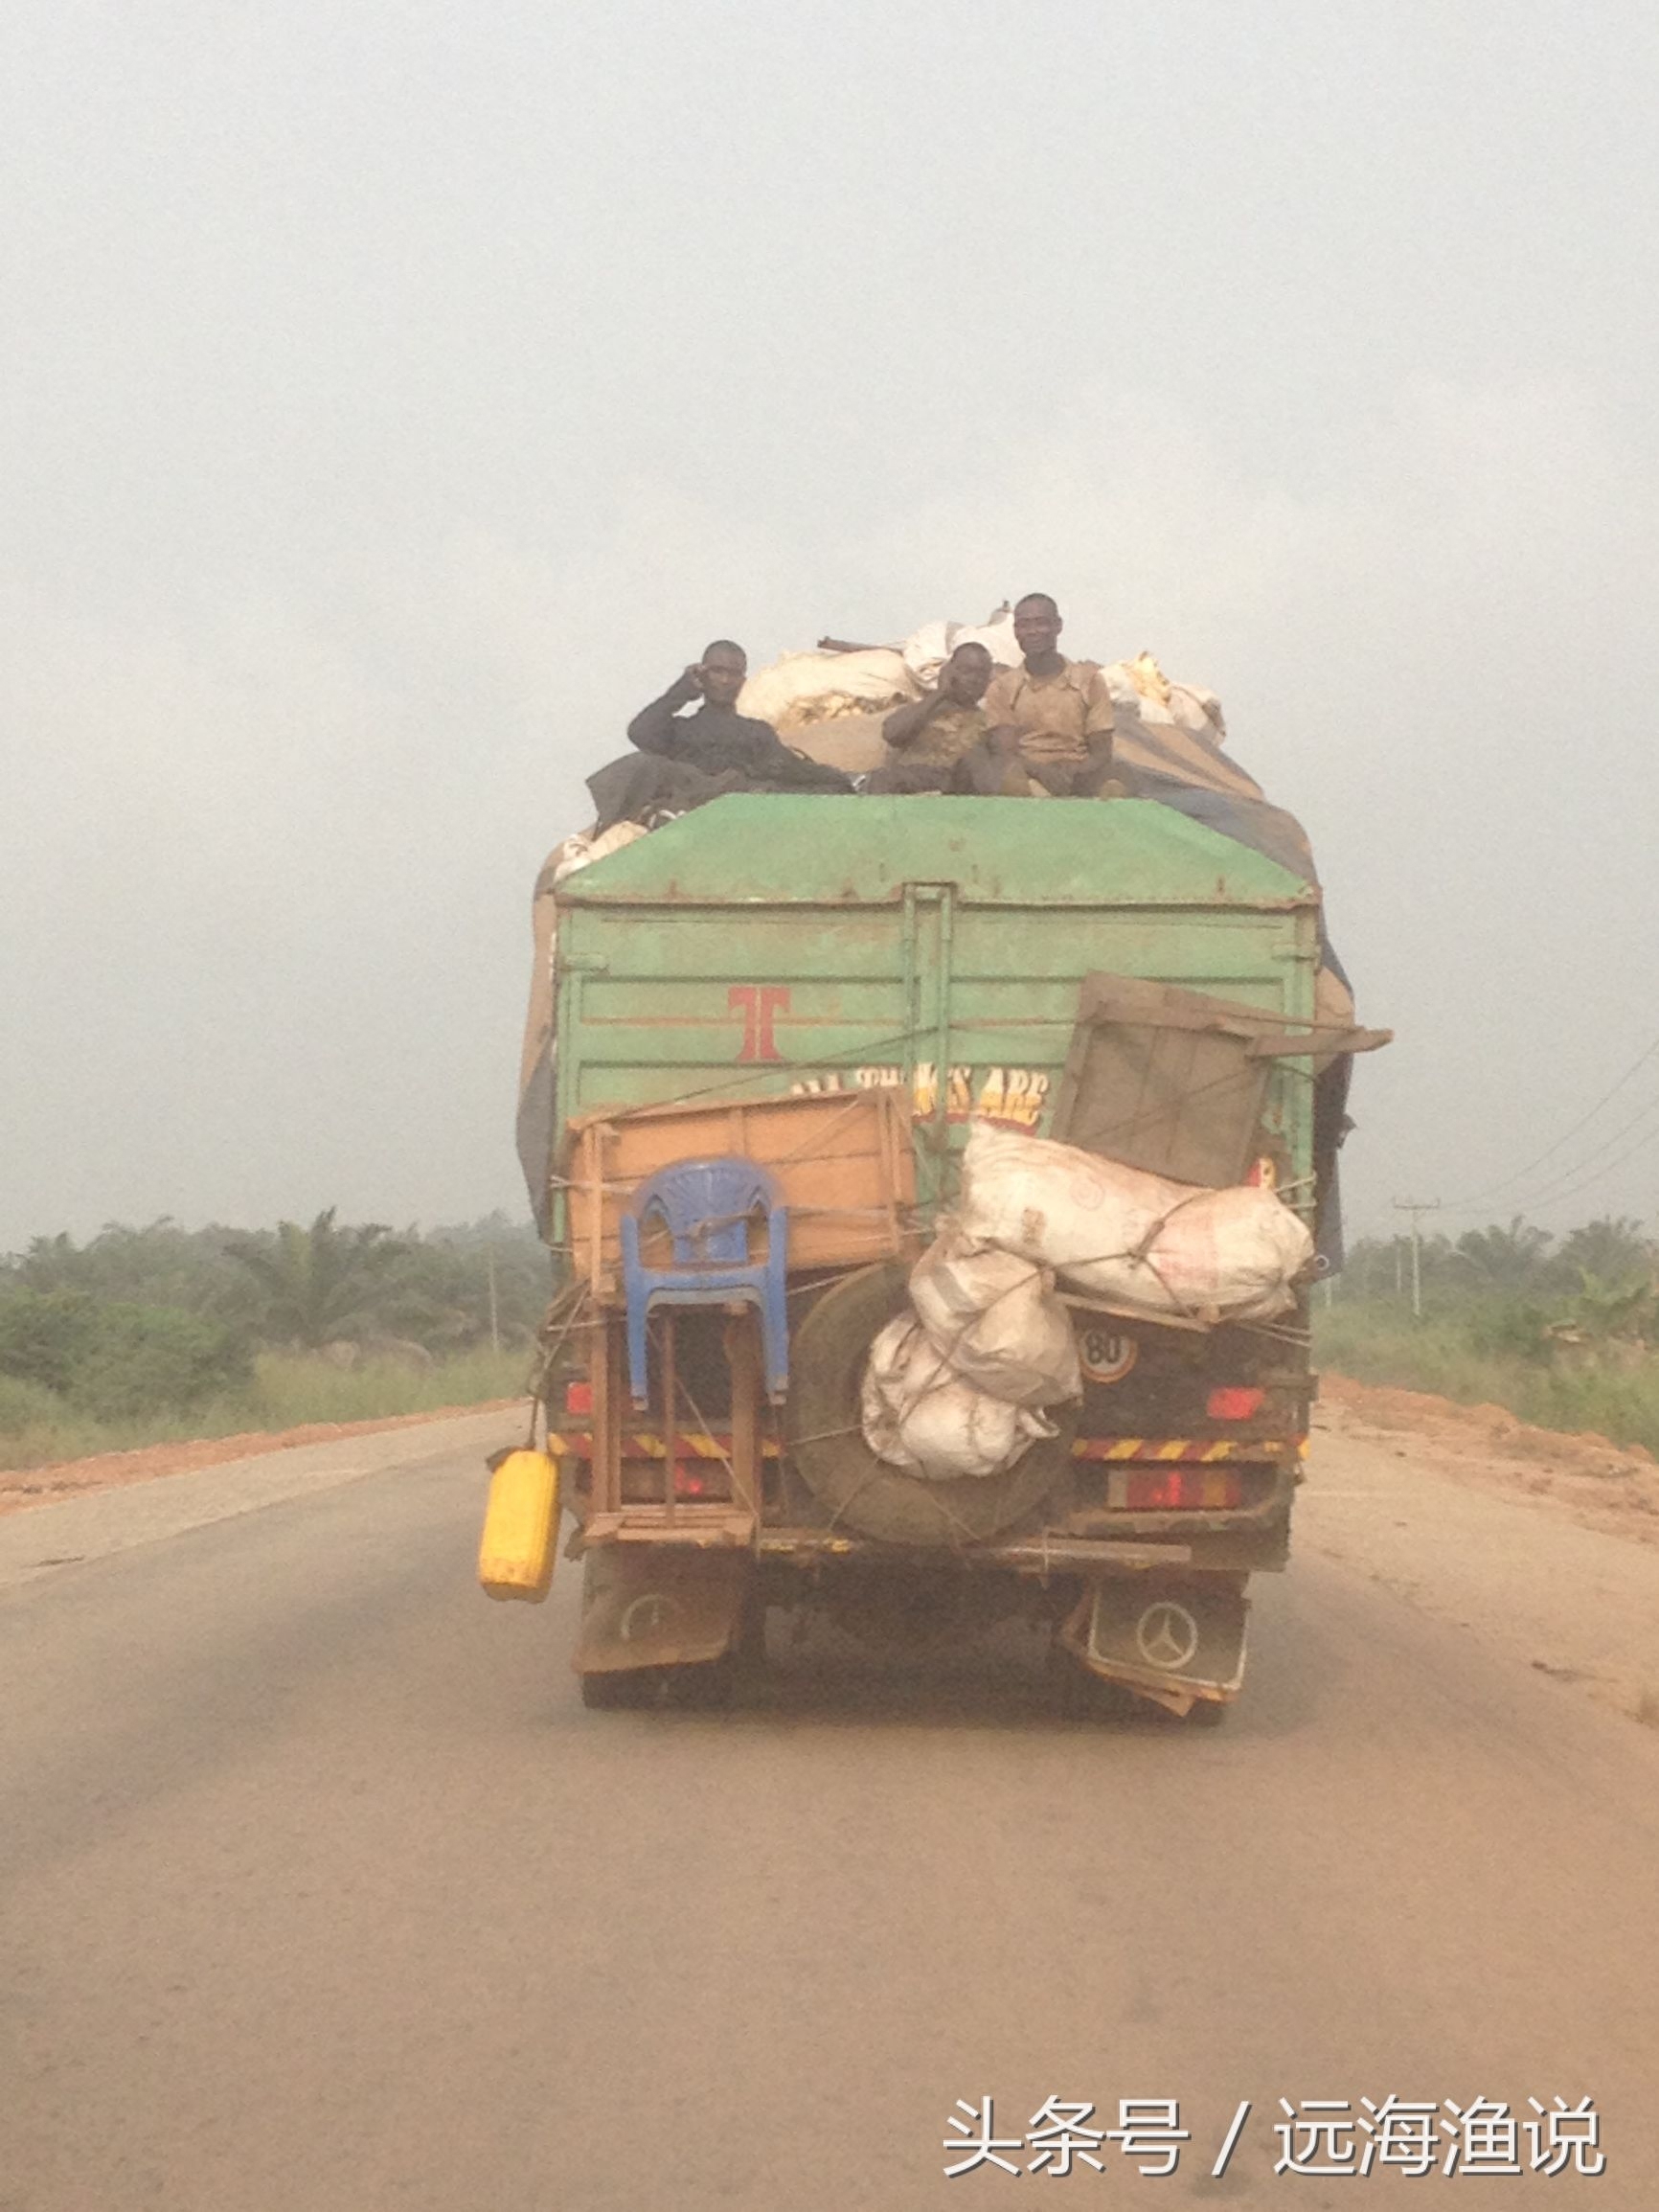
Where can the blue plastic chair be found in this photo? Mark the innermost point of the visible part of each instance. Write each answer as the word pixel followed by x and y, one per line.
pixel 707 1206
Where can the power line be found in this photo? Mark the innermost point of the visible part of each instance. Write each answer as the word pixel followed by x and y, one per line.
pixel 1554 1188
pixel 1558 1197
pixel 1506 1182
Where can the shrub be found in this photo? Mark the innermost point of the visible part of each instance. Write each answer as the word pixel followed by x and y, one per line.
pixel 45 1334
pixel 154 1359
pixel 26 1405
pixel 113 1361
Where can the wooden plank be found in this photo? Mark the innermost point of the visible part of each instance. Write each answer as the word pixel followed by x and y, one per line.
pixel 843 1161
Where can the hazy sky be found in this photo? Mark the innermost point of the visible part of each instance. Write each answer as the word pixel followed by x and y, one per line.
pixel 396 396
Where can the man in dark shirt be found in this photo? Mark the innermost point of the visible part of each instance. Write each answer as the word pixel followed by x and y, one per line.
pixel 716 739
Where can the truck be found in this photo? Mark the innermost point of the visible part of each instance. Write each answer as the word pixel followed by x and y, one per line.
pixel 838 990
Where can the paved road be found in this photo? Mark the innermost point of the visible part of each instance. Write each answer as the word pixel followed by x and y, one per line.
pixel 322 1890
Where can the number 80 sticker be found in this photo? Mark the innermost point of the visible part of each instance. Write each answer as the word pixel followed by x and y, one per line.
pixel 1106 1357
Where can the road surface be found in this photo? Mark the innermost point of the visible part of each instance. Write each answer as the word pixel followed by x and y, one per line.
pixel 322 1890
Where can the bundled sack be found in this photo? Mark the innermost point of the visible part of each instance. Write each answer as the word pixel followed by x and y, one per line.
pixel 928 649
pixel 995 1317
pixel 853 743
pixel 588 846
pixel 803 687
pixel 1141 1242
pixel 918 1414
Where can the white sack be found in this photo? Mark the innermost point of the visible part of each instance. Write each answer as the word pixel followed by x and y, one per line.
pixel 1139 1241
pixel 995 1319
pixel 1199 711
pixel 919 1416
pixel 584 849
pixel 928 649
pixel 809 687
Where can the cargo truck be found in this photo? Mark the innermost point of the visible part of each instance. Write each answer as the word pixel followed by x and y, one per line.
pixel 838 988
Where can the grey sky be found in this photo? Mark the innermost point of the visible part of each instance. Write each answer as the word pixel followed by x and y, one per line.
pixel 397 397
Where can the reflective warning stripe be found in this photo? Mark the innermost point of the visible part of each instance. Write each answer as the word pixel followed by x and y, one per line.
pixel 649 1444
pixel 1207 1449
pixel 646 1443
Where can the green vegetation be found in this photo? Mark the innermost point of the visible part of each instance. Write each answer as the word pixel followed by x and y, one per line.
pixel 37 1426
pixel 156 1334
pixel 1562 1335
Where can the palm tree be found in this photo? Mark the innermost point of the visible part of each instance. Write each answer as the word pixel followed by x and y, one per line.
pixel 1612 1249
pixel 1504 1259
pixel 321 1282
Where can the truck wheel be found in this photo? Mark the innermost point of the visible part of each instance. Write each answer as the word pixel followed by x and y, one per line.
pixel 826 1435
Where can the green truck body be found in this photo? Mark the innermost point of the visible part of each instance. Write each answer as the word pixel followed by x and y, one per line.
pixel 766 944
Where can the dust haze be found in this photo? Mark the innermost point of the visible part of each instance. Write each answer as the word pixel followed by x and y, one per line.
pixel 397 403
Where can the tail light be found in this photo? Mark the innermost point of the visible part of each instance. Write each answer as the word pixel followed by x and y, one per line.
pixel 578 1398
pixel 1174 1489
pixel 690 1481
pixel 1235 1401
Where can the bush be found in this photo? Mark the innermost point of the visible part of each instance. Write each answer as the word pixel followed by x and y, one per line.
pixel 152 1359
pixel 26 1405
pixel 114 1361
pixel 44 1335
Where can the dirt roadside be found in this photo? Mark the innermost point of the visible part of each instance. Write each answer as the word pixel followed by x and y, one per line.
pixel 22 1486
pixel 1544 1548
pixel 1585 1478
pixel 1611 1486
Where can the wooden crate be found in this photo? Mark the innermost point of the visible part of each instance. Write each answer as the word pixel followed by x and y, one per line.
pixel 842 1160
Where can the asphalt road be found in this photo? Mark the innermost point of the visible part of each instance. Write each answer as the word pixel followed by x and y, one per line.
pixel 321 1889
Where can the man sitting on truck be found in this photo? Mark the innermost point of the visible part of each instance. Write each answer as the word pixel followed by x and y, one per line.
pixel 1050 718
pixel 716 739
pixel 927 740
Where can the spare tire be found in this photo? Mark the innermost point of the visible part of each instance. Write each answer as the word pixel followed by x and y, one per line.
pixel 826 1437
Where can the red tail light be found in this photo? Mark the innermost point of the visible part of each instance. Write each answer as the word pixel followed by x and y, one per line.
pixel 689 1481
pixel 1235 1401
pixel 578 1398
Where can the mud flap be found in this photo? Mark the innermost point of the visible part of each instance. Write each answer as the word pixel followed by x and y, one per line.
pixel 650 1606
pixel 1174 1642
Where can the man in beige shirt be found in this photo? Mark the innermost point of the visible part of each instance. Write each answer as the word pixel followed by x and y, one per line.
pixel 1050 718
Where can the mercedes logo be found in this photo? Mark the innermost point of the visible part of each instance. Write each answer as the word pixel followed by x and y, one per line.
pixel 1167 1635
pixel 646 1617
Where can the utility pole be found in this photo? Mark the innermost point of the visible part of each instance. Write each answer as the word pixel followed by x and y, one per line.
pixel 1417 1208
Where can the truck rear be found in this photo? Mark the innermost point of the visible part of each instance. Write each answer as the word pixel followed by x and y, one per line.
pixel 837 990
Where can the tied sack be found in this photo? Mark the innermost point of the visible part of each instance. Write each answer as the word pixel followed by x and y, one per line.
pixel 1136 1240
pixel 995 1319
pixel 813 687
pixel 918 1414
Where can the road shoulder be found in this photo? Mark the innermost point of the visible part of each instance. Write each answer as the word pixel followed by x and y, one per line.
pixel 79 1529
pixel 1520 1567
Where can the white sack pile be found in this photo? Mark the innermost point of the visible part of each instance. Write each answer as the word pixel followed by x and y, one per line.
pixel 1153 698
pixel 955 1386
pixel 805 688
pixel 928 649
pixel 1152 1247
pixel 995 1317
pixel 920 1415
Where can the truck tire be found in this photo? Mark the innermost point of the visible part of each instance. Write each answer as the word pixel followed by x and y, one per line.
pixel 826 1437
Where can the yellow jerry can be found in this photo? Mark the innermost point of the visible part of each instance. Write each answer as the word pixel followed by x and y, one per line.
pixel 516 1552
